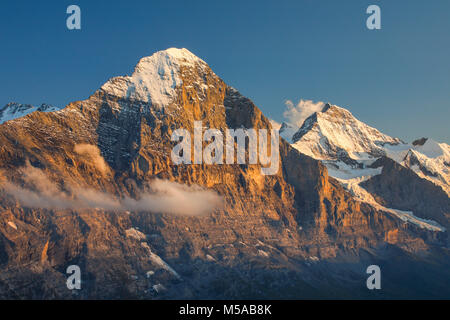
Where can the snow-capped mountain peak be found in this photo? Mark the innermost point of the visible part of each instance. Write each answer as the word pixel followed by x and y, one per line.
pixel 15 110
pixel 348 147
pixel 334 133
pixel 433 149
pixel 155 78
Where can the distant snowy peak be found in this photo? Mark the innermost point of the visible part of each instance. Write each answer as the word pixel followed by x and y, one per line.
pixel 15 110
pixel 348 147
pixel 335 134
pixel 433 149
pixel 155 78
pixel 430 161
pixel 427 158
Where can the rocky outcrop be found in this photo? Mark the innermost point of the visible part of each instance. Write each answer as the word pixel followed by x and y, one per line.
pixel 401 188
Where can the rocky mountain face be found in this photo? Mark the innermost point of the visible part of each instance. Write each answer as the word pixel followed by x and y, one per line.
pixel 94 185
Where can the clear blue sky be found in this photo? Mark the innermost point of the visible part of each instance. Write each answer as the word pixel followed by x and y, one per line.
pixel 396 79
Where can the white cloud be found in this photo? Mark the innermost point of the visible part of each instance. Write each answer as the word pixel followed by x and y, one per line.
pixel 38 191
pixel 297 114
pixel 175 198
pixel 93 156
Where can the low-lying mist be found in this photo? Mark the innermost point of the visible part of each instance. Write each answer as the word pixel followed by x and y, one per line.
pixel 38 191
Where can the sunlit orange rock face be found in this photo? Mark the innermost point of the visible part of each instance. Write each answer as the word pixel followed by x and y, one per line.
pixel 288 235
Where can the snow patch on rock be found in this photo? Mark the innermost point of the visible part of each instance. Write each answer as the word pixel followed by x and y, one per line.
pixel 159 261
pixel 12 225
pixel 135 234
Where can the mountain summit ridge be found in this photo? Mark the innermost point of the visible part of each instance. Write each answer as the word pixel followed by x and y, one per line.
pixel 335 135
pixel 336 128
pixel 155 78
pixel 353 153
